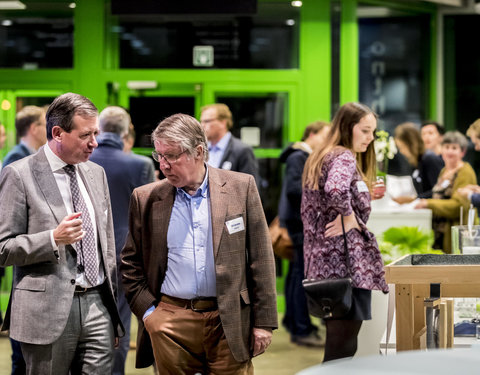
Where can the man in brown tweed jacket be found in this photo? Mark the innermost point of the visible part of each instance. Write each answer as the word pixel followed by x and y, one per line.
pixel 197 266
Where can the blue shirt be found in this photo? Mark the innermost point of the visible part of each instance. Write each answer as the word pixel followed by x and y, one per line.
pixel 190 266
pixel 216 152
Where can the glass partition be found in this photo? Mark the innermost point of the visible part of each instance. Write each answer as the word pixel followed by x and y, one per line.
pixel 41 36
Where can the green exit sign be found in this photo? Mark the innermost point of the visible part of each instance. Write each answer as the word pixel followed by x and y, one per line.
pixel 203 56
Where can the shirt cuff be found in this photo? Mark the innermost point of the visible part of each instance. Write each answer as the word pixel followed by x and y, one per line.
pixel 469 196
pixel 54 245
pixel 148 312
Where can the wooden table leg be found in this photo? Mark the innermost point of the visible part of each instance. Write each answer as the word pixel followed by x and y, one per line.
pixel 404 310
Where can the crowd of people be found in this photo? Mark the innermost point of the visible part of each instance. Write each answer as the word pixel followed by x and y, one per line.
pixel 94 235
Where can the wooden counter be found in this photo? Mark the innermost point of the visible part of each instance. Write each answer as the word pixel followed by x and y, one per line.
pixel 458 276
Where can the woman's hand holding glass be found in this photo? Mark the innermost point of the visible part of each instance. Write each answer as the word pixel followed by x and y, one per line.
pixel 379 188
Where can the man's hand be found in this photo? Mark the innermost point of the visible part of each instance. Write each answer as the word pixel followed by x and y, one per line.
pixel 69 230
pixel 261 339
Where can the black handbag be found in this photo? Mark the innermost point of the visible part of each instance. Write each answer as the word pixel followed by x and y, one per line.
pixel 330 298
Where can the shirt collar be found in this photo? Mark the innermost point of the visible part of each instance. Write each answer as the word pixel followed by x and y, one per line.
pixel 201 191
pixel 55 162
pixel 222 143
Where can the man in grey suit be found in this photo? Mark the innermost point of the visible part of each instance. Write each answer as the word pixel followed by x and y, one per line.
pixel 226 151
pixel 124 173
pixel 57 230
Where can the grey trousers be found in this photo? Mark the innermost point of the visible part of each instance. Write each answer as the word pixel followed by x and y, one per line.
pixel 86 346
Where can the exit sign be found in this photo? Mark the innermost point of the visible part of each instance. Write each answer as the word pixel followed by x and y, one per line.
pixel 203 56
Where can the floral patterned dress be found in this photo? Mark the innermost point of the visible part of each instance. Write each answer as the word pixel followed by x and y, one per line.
pixel 341 191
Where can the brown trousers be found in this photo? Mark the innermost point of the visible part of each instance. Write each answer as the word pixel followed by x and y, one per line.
pixel 186 342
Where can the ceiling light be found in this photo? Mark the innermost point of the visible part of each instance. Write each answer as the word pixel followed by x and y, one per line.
pixel 72 5
pixel 290 22
pixel 296 4
pixel 7 23
pixel 13 4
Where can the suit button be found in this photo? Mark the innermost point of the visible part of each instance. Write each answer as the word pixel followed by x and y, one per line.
pixel 72 282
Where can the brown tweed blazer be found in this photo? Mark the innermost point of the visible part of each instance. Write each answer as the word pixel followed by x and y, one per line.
pixel 244 261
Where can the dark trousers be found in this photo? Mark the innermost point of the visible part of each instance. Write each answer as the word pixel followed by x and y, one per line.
pixel 18 363
pixel 297 319
pixel 124 345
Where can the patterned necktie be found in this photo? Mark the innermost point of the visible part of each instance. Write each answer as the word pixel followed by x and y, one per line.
pixel 86 247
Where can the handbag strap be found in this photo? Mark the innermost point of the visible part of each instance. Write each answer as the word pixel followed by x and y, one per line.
pixel 345 246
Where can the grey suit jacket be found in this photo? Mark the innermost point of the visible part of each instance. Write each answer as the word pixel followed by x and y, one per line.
pixel 244 262
pixel 44 280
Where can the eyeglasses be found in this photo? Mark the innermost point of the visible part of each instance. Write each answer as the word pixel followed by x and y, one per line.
pixel 207 121
pixel 169 158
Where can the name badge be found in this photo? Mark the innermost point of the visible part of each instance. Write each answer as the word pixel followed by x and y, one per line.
pixel 235 225
pixel 362 187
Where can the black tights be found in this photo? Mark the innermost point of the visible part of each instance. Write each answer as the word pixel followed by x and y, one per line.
pixel 341 338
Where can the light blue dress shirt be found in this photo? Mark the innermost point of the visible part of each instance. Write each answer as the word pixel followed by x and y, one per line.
pixel 190 265
pixel 216 152
pixel 190 268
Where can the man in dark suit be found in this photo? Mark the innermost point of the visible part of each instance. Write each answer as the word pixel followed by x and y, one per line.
pixel 30 126
pixel 225 150
pixel 124 173
pixel 57 230
pixel 198 249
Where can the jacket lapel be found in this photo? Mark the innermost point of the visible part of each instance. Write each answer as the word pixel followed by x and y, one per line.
pixel 227 152
pixel 219 204
pixel 48 186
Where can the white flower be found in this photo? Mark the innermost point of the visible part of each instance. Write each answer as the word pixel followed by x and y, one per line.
pixel 384 146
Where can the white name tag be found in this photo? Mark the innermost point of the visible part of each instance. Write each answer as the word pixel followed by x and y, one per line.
pixel 362 186
pixel 235 225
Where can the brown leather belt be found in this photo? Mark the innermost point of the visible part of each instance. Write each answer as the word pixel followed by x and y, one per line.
pixel 201 304
pixel 81 289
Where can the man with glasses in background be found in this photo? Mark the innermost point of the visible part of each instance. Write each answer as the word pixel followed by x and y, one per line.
pixel 225 150
pixel 198 266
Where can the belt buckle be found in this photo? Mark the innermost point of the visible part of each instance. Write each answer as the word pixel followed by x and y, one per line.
pixel 80 289
pixel 192 305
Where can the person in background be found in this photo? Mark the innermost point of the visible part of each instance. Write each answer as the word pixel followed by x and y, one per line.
pixel 426 165
pixel 297 319
pixel 57 230
pixel 338 182
pixel 225 150
pixel 198 266
pixel 30 126
pixel 432 134
pixel 3 137
pixel 128 143
pixel 446 200
pixel 31 129
pixel 124 173
pixel 472 192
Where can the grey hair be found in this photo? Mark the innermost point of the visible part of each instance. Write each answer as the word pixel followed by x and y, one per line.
pixel 457 138
pixel 182 130
pixel 114 119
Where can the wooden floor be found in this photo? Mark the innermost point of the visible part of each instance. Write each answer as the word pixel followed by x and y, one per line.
pixel 281 358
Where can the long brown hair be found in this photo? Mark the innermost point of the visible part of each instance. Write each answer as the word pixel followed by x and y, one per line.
pixel 411 137
pixel 341 135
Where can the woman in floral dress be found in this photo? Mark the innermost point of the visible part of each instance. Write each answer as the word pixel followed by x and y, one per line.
pixel 337 182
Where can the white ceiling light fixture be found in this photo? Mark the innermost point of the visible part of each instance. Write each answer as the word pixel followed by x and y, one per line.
pixel 297 4
pixel 12 5
pixel 7 23
pixel 72 5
